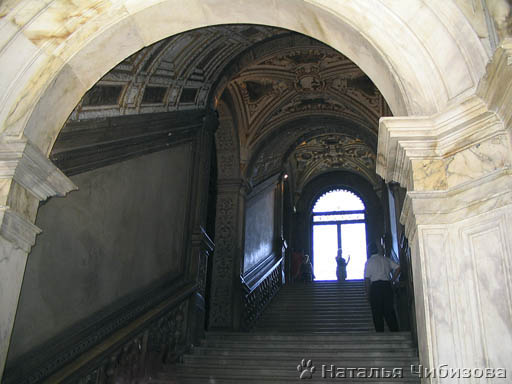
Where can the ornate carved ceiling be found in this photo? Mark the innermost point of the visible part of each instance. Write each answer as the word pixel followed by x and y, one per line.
pixel 298 104
pixel 291 81
pixel 332 152
pixel 174 74
pixel 312 146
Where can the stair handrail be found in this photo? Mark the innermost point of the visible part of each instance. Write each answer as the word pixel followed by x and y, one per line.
pixel 249 289
pixel 129 345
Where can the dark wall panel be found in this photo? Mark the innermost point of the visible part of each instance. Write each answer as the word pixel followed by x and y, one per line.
pixel 121 231
pixel 259 227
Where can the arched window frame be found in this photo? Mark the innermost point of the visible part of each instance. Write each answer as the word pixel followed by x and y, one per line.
pixel 339 217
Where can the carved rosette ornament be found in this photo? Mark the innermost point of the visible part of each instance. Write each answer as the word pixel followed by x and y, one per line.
pixel 308 79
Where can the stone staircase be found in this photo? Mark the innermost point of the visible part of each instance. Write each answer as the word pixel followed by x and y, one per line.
pixel 319 307
pixel 328 323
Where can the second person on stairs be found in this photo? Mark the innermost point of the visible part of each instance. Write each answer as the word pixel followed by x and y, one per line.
pixel 306 270
pixel 379 288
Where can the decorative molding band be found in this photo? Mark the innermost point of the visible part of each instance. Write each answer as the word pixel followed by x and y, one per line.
pixel 32 170
pixel 18 230
pixel 233 185
pixel 263 186
pixel 90 144
pixel 496 86
pixel 414 147
pixel 44 361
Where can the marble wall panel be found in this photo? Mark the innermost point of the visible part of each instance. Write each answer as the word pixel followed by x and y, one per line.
pixel 487 246
pixel 478 160
pixel 438 277
pixel 12 265
pixel 463 293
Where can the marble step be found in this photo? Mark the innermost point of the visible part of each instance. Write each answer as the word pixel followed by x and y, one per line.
pixel 327 322
pixel 317 310
pixel 318 353
pixel 334 337
pixel 203 361
pixel 320 331
pixel 300 344
pixel 319 317
pixel 268 376
pixel 207 379
pixel 274 373
pixel 337 300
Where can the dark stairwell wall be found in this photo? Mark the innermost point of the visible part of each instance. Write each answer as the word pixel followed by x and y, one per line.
pixel 121 232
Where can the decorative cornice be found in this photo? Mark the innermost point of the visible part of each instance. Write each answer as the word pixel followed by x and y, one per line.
pixel 431 140
pixel 230 185
pixel 31 169
pixel 263 186
pixel 17 229
pixel 476 197
pixel 496 86
pixel 90 144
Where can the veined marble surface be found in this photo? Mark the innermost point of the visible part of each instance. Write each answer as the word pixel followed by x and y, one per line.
pixel 53 51
pixel 422 55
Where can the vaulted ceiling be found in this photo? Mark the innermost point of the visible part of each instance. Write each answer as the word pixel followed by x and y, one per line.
pixel 176 73
pixel 300 106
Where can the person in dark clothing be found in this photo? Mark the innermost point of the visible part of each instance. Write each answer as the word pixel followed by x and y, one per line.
pixel 341 266
pixel 377 272
pixel 306 270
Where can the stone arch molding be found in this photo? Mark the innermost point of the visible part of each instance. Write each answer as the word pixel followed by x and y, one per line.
pixel 422 55
pixel 53 52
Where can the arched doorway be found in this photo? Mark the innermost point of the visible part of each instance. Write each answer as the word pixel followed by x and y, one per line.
pixel 63 56
pixel 338 222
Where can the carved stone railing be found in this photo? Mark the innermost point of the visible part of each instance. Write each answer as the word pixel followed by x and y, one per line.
pixel 259 293
pixel 132 361
pixel 207 247
pixel 123 352
pixel 203 247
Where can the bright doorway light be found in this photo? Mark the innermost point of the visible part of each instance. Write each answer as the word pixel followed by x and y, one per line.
pixel 325 246
pixel 339 222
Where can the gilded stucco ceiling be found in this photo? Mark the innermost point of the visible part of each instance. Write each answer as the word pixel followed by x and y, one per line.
pixel 332 152
pixel 299 105
pixel 286 84
pixel 176 73
pixel 308 147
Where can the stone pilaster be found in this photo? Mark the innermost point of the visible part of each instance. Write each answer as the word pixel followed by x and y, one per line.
pixel 200 248
pixel 226 300
pixel 26 178
pixel 456 167
pixel 199 197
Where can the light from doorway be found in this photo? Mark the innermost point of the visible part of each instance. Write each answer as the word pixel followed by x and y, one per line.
pixel 338 221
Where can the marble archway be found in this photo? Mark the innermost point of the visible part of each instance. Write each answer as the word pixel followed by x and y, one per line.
pixel 54 52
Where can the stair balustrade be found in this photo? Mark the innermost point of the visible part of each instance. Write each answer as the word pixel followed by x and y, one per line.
pixel 259 293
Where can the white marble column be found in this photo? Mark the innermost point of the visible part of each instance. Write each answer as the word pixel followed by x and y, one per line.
pixel 26 178
pixel 457 168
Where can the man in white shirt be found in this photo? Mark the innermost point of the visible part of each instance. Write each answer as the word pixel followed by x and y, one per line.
pixel 377 272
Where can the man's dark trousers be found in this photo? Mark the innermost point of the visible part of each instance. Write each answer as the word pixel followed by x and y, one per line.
pixel 381 300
